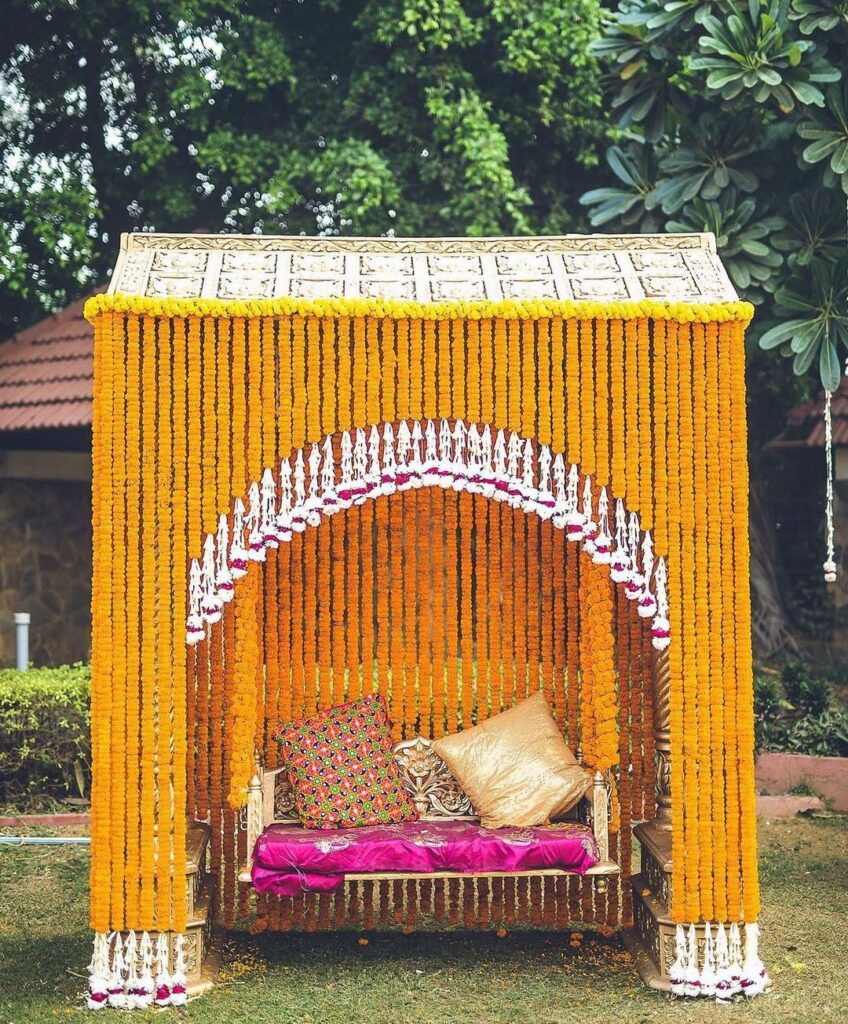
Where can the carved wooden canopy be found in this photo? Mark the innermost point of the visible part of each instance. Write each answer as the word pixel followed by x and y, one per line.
pixel 681 268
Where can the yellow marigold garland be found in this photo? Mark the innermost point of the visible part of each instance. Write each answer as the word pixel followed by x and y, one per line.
pixel 501 357
pixel 310 617
pixel 360 373
pixel 444 380
pixel 506 309
pixel 529 381
pixel 646 490
pixel 388 371
pixel 466 540
pixel 207 412
pixel 473 397
pixel 337 529
pixel 404 369
pixel 573 436
pixel 352 521
pixel 133 590
pixel 437 622
pixel 520 606
pixel 487 367
pixel 181 763
pixel 149 535
pixel 101 605
pixel 343 377
pixel 632 389
pixel 451 611
pixel 330 387
pixel 429 353
pixel 482 632
pixel 324 621
pixel 742 618
pixel 381 587
pixel 314 373
pixel 516 372
pixel 508 647
pixel 409 556
pixel 533 591
pixel 561 682
pixel 118 725
pixel 602 403
pixel 715 486
pixel 495 630
pixel 459 397
pixel 701 442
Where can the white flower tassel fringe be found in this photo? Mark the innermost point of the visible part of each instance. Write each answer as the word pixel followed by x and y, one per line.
pixel 98 974
pixel 136 973
pixel 713 965
pixel 324 478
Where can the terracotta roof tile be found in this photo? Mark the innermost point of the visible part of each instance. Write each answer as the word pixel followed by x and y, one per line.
pixel 805 421
pixel 46 373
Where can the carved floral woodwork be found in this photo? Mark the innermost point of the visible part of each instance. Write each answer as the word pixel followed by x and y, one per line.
pixel 434 791
pixel 603 267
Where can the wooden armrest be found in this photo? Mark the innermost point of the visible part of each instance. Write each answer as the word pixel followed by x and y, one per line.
pixel 600 815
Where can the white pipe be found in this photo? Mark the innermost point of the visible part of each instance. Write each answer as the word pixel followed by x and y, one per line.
pixel 22 641
pixel 45 840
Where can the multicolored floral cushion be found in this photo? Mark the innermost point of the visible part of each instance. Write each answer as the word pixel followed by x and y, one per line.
pixel 341 768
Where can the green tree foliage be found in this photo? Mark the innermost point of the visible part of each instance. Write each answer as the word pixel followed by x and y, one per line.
pixel 318 116
pixel 732 117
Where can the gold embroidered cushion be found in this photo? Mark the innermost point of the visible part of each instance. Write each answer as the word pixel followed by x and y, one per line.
pixel 515 768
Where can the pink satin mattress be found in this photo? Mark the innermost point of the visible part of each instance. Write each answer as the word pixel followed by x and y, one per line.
pixel 289 860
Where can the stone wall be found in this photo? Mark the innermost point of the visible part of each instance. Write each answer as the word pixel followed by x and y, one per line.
pixel 45 568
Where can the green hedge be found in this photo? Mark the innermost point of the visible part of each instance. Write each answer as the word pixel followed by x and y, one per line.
pixel 45 746
pixel 797 713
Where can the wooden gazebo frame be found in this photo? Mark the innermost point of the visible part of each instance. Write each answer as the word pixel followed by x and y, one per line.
pixel 233 372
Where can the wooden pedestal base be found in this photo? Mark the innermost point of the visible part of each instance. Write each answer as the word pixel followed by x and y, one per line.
pixel 651 940
pixel 199 966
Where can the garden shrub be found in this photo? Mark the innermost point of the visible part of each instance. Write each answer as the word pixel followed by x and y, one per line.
pixel 45 747
pixel 798 715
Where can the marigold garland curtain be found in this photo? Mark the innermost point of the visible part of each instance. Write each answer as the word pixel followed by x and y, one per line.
pixel 194 399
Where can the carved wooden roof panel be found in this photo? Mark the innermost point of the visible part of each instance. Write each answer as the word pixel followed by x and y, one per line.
pixel 602 267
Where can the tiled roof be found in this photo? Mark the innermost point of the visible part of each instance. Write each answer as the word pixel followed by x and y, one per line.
pixel 46 373
pixel 805 422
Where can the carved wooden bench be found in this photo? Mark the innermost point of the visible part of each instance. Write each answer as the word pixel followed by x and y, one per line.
pixel 436 795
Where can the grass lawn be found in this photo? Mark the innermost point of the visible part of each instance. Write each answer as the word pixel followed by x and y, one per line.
pixel 442 978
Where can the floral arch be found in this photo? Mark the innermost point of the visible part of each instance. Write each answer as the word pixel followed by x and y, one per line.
pixel 224 427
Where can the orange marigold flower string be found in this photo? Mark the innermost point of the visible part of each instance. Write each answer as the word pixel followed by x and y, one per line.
pixel 438 501
pixel 715 483
pixel 381 586
pixel 410 611
pixel 149 543
pixel 324 618
pixel 352 521
pixel 555 571
pixel 339 590
pixel 310 618
pixel 451 610
pixel 602 402
pixel 133 589
pixel 496 621
pixel 466 541
pixel 118 725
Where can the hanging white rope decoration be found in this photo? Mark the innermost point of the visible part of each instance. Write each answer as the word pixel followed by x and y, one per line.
pixel 829 564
